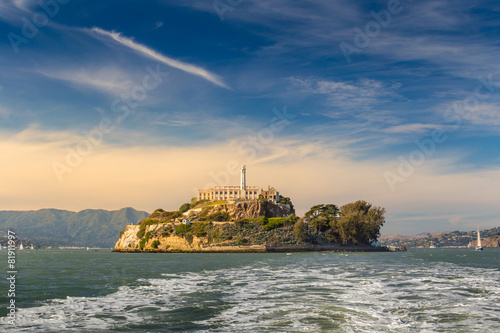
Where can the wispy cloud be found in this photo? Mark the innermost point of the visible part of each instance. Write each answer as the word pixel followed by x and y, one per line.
pixel 24 4
pixel 108 80
pixel 13 10
pixel 411 128
pixel 175 123
pixel 146 51
pixel 486 114
pixel 4 112
pixel 363 93
pixel 158 25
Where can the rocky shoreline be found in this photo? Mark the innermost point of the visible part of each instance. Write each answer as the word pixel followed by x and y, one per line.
pixel 267 249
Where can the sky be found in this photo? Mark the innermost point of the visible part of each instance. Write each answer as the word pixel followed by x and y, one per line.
pixel 111 104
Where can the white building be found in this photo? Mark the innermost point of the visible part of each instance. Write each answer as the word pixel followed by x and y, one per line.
pixel 241 192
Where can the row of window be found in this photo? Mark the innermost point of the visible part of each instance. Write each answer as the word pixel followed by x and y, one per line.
pixel 231 192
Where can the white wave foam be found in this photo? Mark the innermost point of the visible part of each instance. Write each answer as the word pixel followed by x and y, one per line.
pixel 332 293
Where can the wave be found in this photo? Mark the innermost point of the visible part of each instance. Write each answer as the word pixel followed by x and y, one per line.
pixel 316 293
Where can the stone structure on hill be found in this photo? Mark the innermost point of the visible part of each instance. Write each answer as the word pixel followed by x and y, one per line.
pixel 241 192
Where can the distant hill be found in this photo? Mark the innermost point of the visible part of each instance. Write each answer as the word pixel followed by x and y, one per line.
pixel 453 238
pixel 51 227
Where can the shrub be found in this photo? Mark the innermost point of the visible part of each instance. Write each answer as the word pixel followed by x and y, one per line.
pixel 240 240
pixel 184 208
pixel 189 237
pixel 262 220
pixel 243 222
pixel 299 231
pixel 182 229
pixel 142 243
pixel 148 235
pixel 147 221
pixel 141 233
pixel 157 212
pixel 219 216
pixel 200 229
pixel 155 244
pixel 213 236
pixel 274 222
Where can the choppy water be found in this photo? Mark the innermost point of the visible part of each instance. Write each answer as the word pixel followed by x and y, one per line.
pixel 431 290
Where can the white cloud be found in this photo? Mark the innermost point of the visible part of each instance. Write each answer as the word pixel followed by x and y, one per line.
pixel 158 25
pixel 175 123
pixel 364 93
pixel 108 80
pixel 151 177
pixel 24 4
pixel 411 128
pixel 146 51
pixel 486 114
pixel 13 10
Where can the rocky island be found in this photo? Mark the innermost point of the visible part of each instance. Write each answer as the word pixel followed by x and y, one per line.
pixel 244 219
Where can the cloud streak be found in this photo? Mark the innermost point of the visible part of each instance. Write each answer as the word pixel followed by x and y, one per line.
pixel 148 52
pixel 363 94
pixel 107 80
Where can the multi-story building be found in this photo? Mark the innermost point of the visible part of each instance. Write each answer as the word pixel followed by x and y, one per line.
pixel 241 192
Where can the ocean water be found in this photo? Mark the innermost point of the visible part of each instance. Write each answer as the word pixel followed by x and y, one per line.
pixel 424 290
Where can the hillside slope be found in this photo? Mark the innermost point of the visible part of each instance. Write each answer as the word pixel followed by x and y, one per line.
pixel 454 238
pixel 90 227
pixel 220 226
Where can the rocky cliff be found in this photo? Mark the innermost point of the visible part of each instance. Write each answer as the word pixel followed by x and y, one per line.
pixel 204 227
pixel 493 241
pixel 220 226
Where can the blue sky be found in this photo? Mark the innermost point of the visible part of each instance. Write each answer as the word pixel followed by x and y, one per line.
pixel 393 102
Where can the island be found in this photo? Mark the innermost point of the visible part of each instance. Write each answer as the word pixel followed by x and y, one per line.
pixel 245 219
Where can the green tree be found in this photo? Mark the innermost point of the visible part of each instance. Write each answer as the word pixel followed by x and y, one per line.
pixel 360 222
pixel 299 231
pixel 287 201
pixel 184 208
pixel 322 216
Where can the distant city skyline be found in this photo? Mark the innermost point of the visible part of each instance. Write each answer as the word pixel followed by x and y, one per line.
pixel 111 104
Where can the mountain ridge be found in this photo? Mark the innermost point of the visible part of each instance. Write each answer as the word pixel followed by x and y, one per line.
pixel 57 227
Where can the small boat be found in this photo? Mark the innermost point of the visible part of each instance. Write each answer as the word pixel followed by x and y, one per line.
pixel 32 247
pixel 87 248
pixel 21 247
pixel 478 247
pixel 470 245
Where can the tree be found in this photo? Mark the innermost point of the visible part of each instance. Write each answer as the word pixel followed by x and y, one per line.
pixel 287 201
pixel 299 231
pixel 322 216
pixel 360 222
pixel 185 207
pixel 327 211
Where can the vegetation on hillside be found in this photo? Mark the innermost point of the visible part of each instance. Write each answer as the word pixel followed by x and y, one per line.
pixel 355 223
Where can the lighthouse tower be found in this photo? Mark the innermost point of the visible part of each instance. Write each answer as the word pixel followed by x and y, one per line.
pixel 243 183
